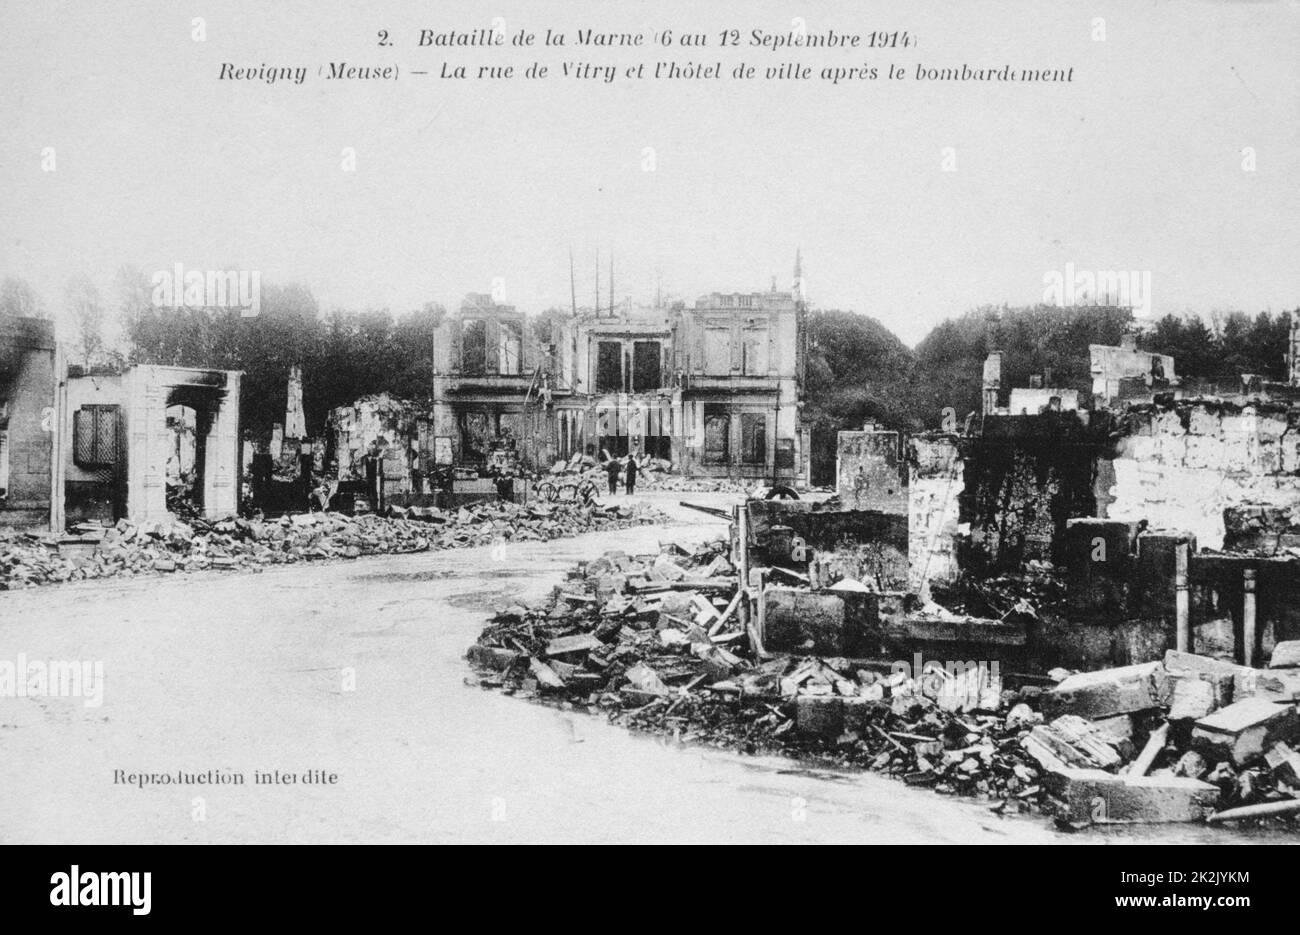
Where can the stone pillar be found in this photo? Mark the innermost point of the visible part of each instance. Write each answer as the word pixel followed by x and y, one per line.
pixel 146 496
pixel 221 457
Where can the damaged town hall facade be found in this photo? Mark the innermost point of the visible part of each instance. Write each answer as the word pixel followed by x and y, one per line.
pixel 714 387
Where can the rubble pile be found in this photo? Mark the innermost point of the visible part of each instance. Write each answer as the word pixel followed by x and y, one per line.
pixel 1262 529
pixel 652 474
pixel 663 480
pixel 654 642
pixel 97 551
pixel 1037 588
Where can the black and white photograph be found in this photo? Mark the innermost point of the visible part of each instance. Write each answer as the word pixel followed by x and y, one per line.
pixel 779 422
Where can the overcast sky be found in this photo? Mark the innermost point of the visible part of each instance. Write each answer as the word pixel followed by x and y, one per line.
pixel 1135 165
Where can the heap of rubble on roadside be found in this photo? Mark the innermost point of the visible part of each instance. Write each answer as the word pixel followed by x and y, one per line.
pixel 93 550
pixel 652 474
pixel 654 642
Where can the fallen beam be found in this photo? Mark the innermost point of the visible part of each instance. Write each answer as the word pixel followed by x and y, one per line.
pixel 1155 743
pixel 1264 810
pixel 723 514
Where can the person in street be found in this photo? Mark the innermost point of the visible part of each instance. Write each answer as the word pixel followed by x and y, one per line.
pixel 631 474
pixel 611 470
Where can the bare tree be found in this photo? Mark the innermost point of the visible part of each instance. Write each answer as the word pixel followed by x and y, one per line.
pixel 86 309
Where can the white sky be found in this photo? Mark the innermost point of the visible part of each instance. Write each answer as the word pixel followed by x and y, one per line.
pixel 1136 165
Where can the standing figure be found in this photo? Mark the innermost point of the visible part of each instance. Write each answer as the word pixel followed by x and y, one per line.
pixel 631 474
pixel 611 469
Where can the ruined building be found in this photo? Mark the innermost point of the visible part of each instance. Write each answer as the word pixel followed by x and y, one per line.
pixel 1124 372
pixel 715 388
pixel 107 446
pixel 127 438
pixel 494 379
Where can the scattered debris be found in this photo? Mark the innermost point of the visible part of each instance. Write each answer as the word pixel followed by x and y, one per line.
pixel 93 550
pixel 665 643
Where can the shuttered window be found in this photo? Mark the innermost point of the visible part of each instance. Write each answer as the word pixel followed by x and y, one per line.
pixel 94 436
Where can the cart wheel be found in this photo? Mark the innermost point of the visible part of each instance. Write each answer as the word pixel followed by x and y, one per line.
pixel 546 491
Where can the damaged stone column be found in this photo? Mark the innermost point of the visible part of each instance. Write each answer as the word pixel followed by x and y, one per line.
pixel 934 488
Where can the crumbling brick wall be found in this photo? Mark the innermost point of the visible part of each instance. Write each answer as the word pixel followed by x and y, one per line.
pixel 1178 465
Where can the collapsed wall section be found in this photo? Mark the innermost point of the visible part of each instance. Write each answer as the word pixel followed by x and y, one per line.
pixel 1026 476
pixel 1179 465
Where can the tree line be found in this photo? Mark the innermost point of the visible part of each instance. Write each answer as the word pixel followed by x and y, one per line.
pixel 859 370
pixel 344 354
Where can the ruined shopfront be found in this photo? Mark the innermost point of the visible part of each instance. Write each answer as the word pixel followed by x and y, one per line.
pixel 132 441
pixel 496 377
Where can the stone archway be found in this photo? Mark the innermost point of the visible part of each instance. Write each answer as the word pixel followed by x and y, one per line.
pixel 213 395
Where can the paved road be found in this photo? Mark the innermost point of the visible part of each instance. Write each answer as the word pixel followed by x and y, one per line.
pixel 244 672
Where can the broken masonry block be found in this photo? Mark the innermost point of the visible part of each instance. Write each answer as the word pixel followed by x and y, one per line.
pixel 1267 684
pixel 1284 763
pixel 1193 699
pixel 1070 741
pixel 1243 730
pixel 544 674
pixel 492 657
pixel 1281 684
pixel 565 670
pixel 1218 684
pixel 645 679
pixel 1117 729
pixel 1286 655
pixel 1186 664
pixel 819 715
pixel 1092 795
pixel 608 584
pixel 1109 692
pixel 577 643
pixel 665 567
